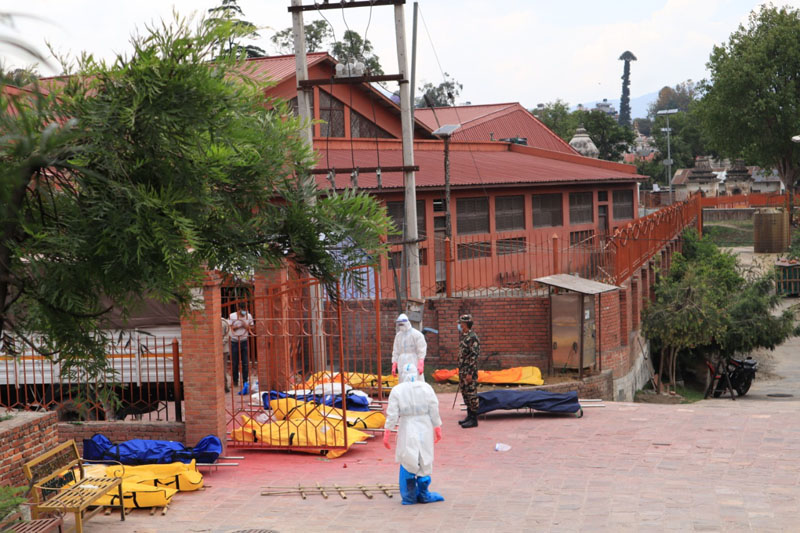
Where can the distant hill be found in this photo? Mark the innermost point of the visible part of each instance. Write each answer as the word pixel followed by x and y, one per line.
pixel 639 104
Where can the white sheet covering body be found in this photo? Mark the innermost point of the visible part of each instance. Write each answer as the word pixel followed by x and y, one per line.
pixel 414 407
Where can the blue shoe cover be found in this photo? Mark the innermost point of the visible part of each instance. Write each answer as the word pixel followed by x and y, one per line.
pixel 408 486
pixel 245 389
pixel 423 494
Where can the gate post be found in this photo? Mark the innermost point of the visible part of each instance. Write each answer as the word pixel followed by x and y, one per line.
pixel 203 367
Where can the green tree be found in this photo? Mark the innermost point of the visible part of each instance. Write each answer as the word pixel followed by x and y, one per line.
pixel 353 47
pixel 441 95
pixel 695 316
pixel 134 178
pixel 751 106
pixel 680 97
pixel 644 125
pixel 228 13
pixel 558 118
pixel 625 99
pixel 318 33
pixel 687 140
pixel 611 139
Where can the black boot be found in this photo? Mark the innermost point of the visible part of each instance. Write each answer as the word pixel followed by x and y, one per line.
pixel 472 420
pixel 462 422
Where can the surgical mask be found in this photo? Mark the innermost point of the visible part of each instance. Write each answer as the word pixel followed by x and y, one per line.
pixel 459 328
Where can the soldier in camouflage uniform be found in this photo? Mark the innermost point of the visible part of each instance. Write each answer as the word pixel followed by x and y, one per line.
pixel 470 349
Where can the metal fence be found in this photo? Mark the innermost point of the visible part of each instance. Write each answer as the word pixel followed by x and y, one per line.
pixel 142 380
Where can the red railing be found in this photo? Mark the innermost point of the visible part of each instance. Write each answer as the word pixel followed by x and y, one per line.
pixel 633 245
pixel 747 200
pixel 141 375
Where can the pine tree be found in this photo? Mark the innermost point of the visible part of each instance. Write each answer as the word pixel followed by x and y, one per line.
pixel 625 100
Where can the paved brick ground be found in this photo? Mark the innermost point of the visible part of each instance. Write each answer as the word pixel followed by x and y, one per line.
pixel 716 465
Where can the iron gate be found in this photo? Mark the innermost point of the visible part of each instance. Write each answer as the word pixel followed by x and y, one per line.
pixel 305 346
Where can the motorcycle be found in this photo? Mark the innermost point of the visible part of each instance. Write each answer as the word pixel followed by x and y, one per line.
pixel 740 373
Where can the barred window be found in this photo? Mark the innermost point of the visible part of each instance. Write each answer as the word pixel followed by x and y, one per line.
pixel 331 112
pixel 509 213
pixel 395 261
pixel 583 238
pixel 472 215
pixel 581 208
pixel 623 205
pixel 547 210
pixel 516 245
pixel 396 212
pixel 474 250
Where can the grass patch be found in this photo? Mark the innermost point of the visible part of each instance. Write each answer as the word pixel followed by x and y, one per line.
pixel 730 234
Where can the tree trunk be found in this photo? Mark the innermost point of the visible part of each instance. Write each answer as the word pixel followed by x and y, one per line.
pixel 661 369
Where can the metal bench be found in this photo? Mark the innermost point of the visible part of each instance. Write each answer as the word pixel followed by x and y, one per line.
pixel 59 485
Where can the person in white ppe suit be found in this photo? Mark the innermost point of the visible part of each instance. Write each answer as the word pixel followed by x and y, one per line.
pixel 414 407
pixel 409 347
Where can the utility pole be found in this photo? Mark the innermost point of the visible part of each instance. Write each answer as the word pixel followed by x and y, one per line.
pixel 410 245
pixel 668 160
pixel 304 109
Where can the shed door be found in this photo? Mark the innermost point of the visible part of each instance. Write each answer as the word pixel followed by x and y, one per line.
pixel 566 328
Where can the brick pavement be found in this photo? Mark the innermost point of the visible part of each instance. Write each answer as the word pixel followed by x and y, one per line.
pixel 715 465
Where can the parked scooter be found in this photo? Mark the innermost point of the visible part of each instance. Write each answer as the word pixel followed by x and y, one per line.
pixel 736 373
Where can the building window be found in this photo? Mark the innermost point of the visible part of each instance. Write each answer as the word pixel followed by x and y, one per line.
pixel 509 213
pixel 547 210
pixel 581 238
pixel 361 127
pixel 395 258
pixel 623 205
pixel 474 250
pixel 472 215
pixel 602 196
pixel 296 107
pixel 581 208
pixel 517 245
pixel 331 112
pixel 396 212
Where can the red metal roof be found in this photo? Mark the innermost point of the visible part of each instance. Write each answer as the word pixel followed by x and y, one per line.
pixel 471 164
pixel 494 122
pixel 279 68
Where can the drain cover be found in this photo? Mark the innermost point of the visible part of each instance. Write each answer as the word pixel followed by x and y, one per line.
pixel 780 395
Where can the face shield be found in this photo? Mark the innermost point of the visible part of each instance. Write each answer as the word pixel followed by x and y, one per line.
pixel 402 323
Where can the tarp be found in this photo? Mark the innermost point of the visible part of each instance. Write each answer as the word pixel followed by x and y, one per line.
pixel 356 380
pixel 552 402
pixel 307 435
pixel 289 408
pixel 355 401
pixel 521 375
pixel 143 451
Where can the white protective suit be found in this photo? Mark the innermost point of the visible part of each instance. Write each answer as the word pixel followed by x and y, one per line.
pixel 414 406
pixel 409 345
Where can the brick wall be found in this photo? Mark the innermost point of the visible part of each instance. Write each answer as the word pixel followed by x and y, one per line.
pixel 597 386
pixel 22 438
pixel 121 431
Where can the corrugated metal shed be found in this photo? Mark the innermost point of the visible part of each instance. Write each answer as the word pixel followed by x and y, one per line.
pixel 576 284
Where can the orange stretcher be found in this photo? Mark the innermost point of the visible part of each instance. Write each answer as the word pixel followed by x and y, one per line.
pixel 521 375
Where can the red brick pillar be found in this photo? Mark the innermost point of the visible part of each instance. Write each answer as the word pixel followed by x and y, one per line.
pixel 635 304
pixel 624 314
pixel 203 367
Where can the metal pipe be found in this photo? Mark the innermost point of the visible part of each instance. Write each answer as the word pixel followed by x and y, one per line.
pixel 176 381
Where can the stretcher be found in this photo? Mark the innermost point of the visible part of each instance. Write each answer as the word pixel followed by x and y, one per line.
pixel 289 408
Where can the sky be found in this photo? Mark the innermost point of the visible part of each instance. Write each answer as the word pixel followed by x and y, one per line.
pixel 527 51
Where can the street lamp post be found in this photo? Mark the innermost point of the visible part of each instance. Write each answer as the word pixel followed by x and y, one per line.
pixel 668 160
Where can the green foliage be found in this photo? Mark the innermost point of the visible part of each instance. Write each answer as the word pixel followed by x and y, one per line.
pixel 644 125
pixel 318 33
pixel 610 138
pixel 441 95
pixel 133 178
pixel 226 15
pixel 687 140
pixel 353 47
pixel 10 500
pixel 706 306
pixel 751 107
pixel 557 116
pixel 680 97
